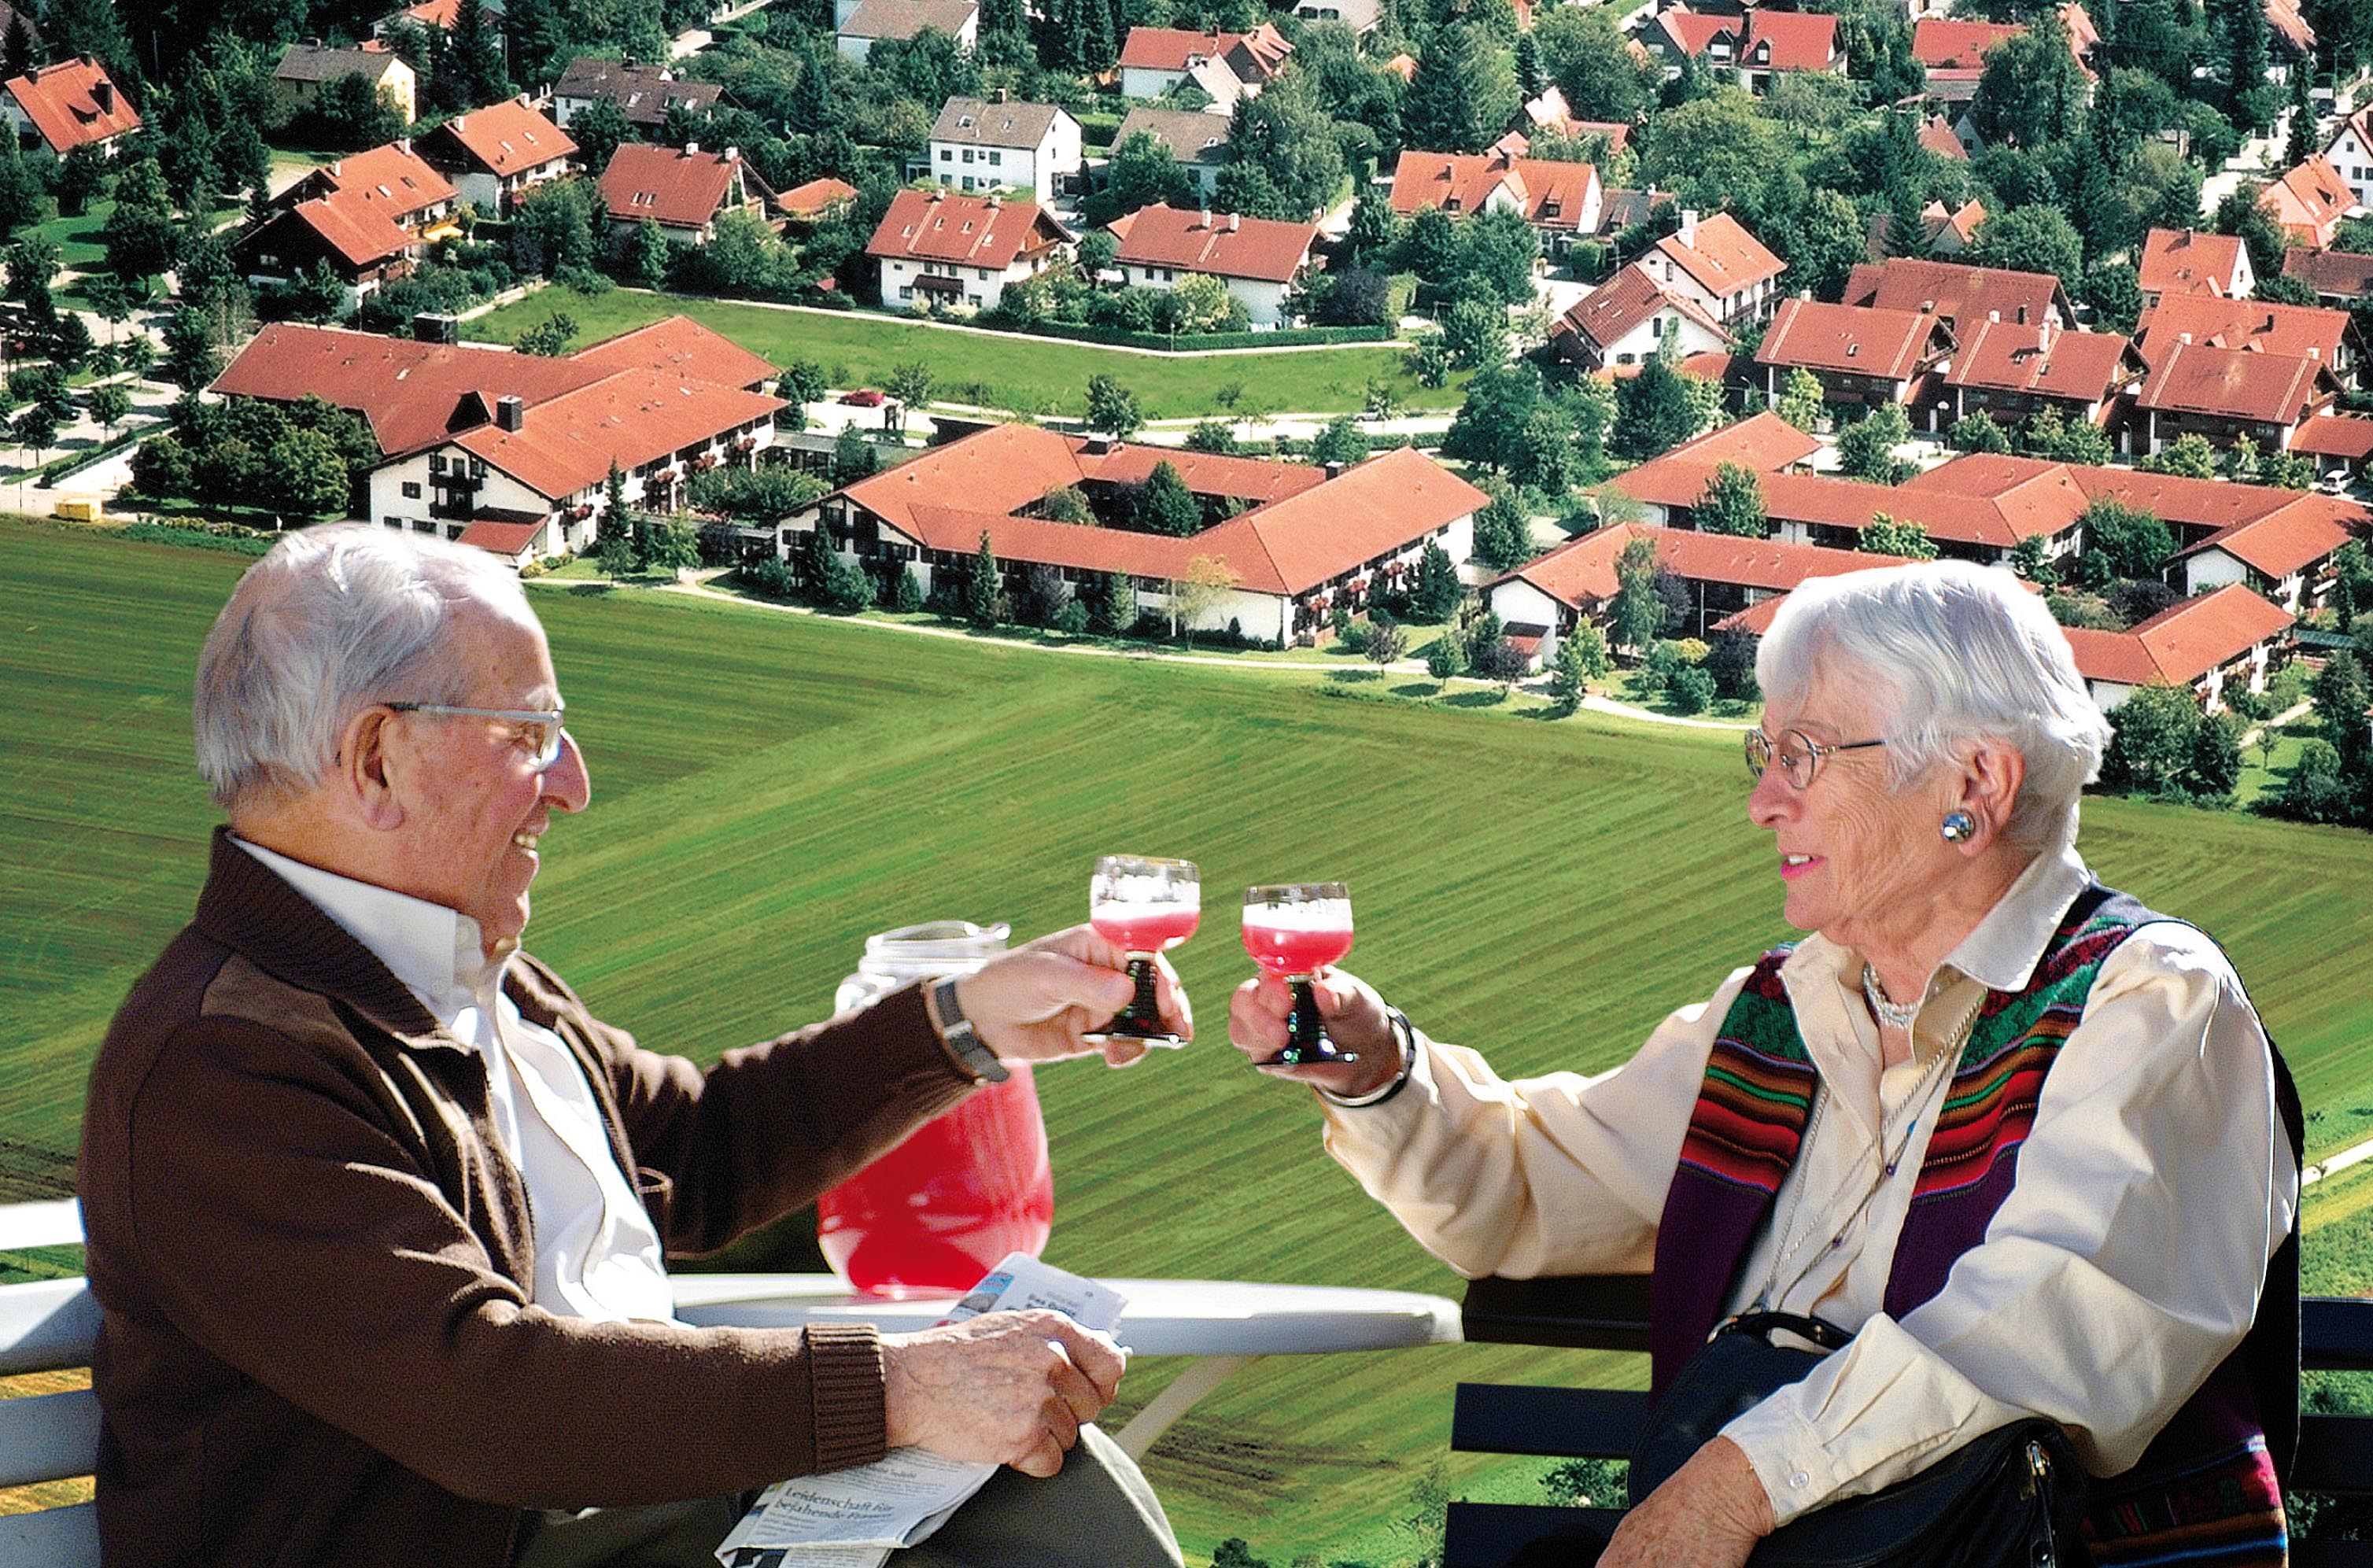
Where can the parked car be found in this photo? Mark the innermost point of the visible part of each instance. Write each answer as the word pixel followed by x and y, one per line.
pixel 864 397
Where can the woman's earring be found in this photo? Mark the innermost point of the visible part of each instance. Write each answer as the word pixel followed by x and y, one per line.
pixel 1958 827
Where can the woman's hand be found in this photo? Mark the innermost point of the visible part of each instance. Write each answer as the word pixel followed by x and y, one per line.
pixel 1709 1514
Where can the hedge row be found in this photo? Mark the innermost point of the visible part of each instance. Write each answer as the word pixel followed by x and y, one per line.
pixel 1283 338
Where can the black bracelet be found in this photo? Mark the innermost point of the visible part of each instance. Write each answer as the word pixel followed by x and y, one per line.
pixel 1404 1038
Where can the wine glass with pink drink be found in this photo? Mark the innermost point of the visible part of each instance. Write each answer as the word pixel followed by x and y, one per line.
pixel 1293 929
pixel 1143 905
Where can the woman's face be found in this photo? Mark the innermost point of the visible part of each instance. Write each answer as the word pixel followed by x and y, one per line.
pixel 1857 854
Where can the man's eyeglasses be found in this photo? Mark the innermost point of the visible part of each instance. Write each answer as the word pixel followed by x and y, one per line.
pixel 540 728
pixel 1798 756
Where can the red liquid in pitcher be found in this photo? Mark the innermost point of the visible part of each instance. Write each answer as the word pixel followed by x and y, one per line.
pixel 938 1212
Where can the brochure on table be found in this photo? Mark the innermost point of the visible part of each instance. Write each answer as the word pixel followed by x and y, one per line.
pixel 854 1518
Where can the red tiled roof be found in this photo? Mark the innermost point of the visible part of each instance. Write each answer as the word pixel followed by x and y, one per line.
pixel 1171 49
pixel 2290 539
pixel 978 231
pixel 632 416
pixel 1623 301
pixel 1940 43
pixel 63 103
pixel 2235 383
pixel 1862 339
pixel 1259 54
pixel 1936 221
pixel 2299 332
pixel 1764 442
pixel 1256 480
pixel 1721 255
pixel 360 233
pixel 681 347
pixel 2309 202
pixel 1756 619
pixel 2039 506
pixel 2335 435
pixel 2043 360
pixel 392 179
pixel 1294 545
pixel 1960 294
pixel 2340 273
pixel 2183 642
pixel 1552 196
pixel 1403 65
pixel 2290 26
pixel 816 196
pixel 507 137
pixel 1583 572
pixel 2184 261
pixel 675 187
pixel 501 538
pixel 1937 135
pixel 1223 244
pixel 1778 41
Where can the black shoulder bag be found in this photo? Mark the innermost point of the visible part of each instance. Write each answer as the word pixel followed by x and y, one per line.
pixel 2011 1499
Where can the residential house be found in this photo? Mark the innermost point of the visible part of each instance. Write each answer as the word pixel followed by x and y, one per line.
pixel 1937 135
pixel 1550 113
pixel 1226 65
pixel 2208 646
pixel 1752 49
pixel 2012 371
pixel 818 201
pixel 2186 261
pixel 2308 331
pixel 1262 262
pixel 306 68
pixel 644 94
pixel 1196 142
pixel 2349 150
pixel 684 190
pixel 2293 40
pixel 71 104
pixel 1362 17
pixel 1719 265
pixel 512 450
pixel 1860 353
pixel 2340 444
pixel 369 216
pixel 1949 231
pixel 1960 295
pixel 870 21
pixel 994 143
pixel 1310 540
pixel 1544 599
pixel 2285 555
pixel 438 16
pixel 940 248
pixel 1951 52
pixel 491 155
pixel 2227 395
pixel 2309 203
pixel 1631 318
pixel 1559 200
pixel 2338 277
pixel 392 180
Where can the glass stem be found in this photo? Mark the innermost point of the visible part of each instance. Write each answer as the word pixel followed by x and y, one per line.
pixel 1142 1009
pixel 1304 1029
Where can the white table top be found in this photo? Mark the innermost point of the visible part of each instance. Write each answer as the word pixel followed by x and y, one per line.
pixel 1164 1318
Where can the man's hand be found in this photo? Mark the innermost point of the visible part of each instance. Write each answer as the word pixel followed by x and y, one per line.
pixel 1033 1004
pixel 1355 1021
pixel 1709 1514
pixel 1002 1389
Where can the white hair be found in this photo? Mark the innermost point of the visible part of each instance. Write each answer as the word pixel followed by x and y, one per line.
pixel 335 618
pixel 1952 652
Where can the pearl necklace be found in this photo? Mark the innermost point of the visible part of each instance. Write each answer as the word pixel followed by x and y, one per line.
pixel 1894 1015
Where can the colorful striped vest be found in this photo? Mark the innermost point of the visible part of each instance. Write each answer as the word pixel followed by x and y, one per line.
pixel 2206 1490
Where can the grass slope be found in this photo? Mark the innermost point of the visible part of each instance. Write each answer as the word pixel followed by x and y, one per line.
pixel 770 789
pixel 997 370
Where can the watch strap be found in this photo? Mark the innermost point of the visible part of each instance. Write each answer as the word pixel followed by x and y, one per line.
pixel 964 1042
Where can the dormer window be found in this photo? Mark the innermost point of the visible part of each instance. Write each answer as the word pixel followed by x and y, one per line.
pixel 963 123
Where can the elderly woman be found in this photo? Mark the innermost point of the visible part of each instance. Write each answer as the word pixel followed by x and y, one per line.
pixel 2020 1136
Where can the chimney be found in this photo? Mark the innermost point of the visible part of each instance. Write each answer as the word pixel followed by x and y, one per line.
pixel 995 200
pixel 460 122
pixel 732 155
pixel 1994 315
pixel 510 412
pixel 998 96
pixel 102 93
pixel 938 194
pixel 1689 226
pixel 1334 471
pixel 403 146
pixel 691 149
pixel 1234 219
pixel 2183 337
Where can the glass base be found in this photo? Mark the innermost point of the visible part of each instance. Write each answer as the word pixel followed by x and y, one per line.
pixel 1306 1041
pixel 1142 1019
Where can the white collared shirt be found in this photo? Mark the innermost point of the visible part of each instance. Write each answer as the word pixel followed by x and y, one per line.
pixel 596 1254
pixel 2154 1187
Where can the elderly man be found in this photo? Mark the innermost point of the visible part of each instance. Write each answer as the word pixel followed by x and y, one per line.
pixel 378 1210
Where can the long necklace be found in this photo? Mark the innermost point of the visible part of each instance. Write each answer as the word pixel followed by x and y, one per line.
pixel 1907 1115
pixel 1893 1013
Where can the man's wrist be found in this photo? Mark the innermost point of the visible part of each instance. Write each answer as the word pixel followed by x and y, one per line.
pixel 945 1010
pixel 1405 1042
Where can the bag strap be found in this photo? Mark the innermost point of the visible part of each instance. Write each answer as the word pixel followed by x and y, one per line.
pixel 1762 1325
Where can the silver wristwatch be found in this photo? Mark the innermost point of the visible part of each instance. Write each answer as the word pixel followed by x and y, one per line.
pixel 957 1032
pixel 1404 1041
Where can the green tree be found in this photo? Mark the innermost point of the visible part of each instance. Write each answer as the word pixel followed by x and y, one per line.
pixel 2032 91
pixel 1588 55
pixel 308 475
pixel 2035 238
pixel 1475 332
pixel 1824 239
pixel 1342 441
pixel 1112 408
pixel 644 256
pixel 2133 543
pixel 600 129
pixel 1435 597
pixel 2242 214
pixel 2317 789
pixel 2027 558
pixel 2151 742
pixel 1462 95
pixel 1660 408
pixel 1866 448
pixel 1636 619
pixel 549 338
pixel 1885 535
pixel 1429 246
pixel 1285 137
pixel 2048 434
pixel 2188 456
pixel 1119 609
pixel 803 382
pixel 1732 503
pixel 1800 400
pixel 1720 150
pixel 191 361
pixel 1428 359
pixel 350 114
pixel 985 590
pixel 1503 535
pixel 1580 659
pixel 1445 661
pixel 909 384
pixel 21 195
pixel 1386 642
pixel 1498 249
pixel 1376 232
pixel 1166 506
pixel 1141 173
pixel 2341 696
pixel 853 457
pixel 1977 433
pixel 36 430
pixel 109 403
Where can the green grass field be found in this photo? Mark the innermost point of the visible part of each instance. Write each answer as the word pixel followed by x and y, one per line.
pixel 769 789
pixel 996 370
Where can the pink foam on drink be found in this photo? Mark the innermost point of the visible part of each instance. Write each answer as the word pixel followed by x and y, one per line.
pixel 1296 950
pixel 1147 932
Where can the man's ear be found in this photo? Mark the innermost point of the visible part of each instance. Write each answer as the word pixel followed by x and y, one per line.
pixel 369 776
pixel 1992 771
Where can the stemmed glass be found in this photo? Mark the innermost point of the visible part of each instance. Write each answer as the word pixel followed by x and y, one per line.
pixel 1294 930
pixel 1143 905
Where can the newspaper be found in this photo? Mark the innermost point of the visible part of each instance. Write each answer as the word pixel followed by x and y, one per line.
pixel 854 1518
